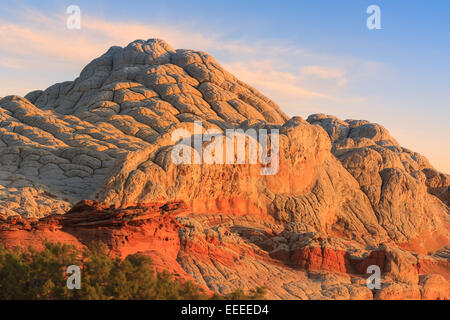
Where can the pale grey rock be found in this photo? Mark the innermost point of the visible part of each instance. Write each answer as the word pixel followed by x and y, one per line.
pixel 107 136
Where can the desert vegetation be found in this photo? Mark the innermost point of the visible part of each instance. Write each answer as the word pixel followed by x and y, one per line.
pixel 31 274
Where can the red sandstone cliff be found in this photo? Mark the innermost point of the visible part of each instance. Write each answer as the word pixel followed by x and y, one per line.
pixel 160 231
pixel 345 196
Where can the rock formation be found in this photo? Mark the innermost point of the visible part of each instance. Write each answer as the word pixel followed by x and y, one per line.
pixel 346 195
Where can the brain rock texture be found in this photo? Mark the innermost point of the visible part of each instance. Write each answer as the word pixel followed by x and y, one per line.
pixel 346 193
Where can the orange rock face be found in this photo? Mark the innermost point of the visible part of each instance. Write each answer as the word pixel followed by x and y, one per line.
pixel 141 229
pixel 167 233
pixel 345 195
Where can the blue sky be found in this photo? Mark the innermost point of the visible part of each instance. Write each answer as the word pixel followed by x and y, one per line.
pixel 309 56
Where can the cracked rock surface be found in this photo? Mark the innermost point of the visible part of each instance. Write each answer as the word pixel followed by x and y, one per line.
pixel 344 192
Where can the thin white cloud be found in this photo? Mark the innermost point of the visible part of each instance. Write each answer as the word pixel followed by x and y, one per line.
pixel 265 75
pixel 42 43
pixel 37 50
pixel 325 73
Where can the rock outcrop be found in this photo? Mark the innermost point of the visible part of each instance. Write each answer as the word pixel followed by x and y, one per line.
pixel 344 195
pixel 223 252
pixel 406 193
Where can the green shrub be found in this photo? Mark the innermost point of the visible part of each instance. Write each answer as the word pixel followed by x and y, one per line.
pixel 31 274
